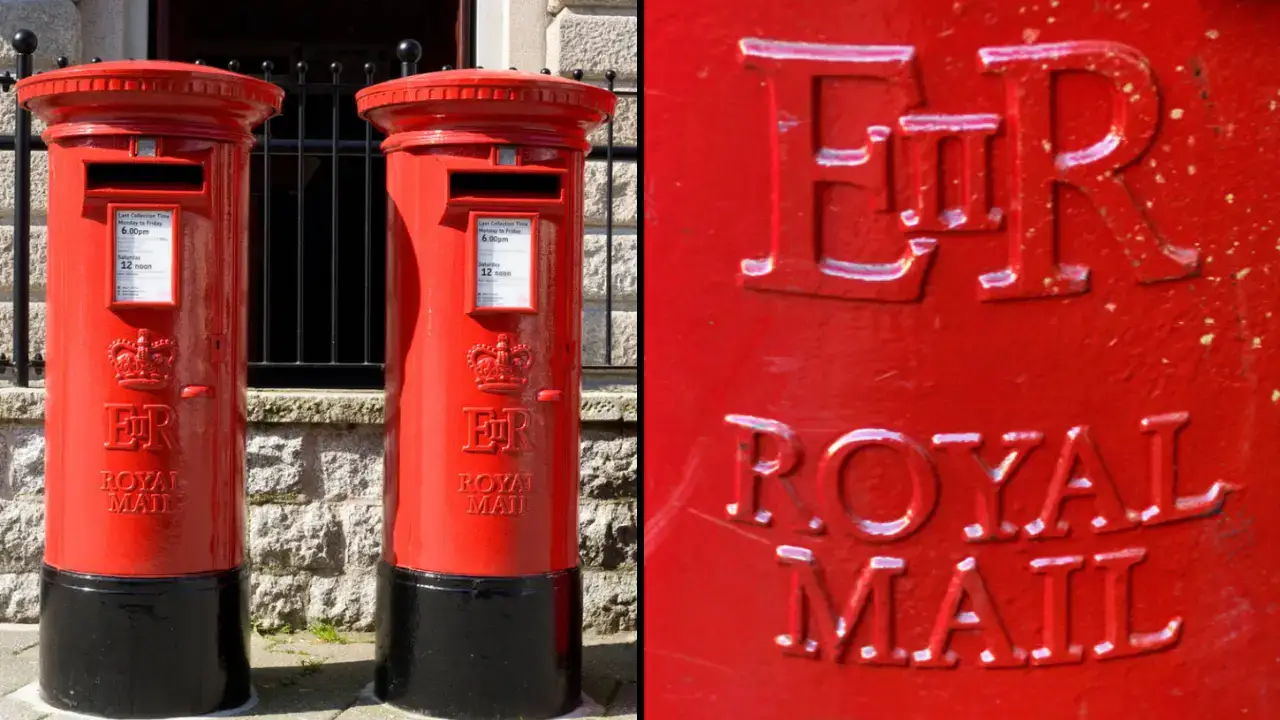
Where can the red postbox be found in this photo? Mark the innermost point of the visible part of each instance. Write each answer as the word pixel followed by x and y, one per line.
pixel 144 592
pixel 962 386
pixel 479 597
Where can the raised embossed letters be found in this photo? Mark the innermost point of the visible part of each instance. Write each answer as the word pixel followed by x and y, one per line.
pixel 803 166
pixel 1092 480
pixel 491 430
pixel 130 427
pixel 924 483
pixel 496 493
pixel 146 492
pixel 1056 647
pixel 990 523
pixel 967 584
pixel 753 468
pixel 810 600
pixel 1038 165
pixel 1120 640
pixel 797 263
pixel 816 627
pixel 1165 505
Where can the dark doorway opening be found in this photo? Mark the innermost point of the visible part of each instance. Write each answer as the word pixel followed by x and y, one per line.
pixel 317 189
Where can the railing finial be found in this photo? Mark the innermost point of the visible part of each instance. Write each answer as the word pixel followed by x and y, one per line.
pixel 25 42
pixel 409 52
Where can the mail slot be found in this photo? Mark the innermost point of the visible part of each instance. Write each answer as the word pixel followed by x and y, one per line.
pixel 156 176
pixel 504 185
pixel 144 589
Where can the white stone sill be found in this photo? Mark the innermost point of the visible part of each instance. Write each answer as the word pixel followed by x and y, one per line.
pixel 332 407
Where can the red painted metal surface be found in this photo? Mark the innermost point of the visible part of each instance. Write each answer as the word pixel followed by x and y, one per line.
pixel 145 414
pixel 961 383
pixel 483 376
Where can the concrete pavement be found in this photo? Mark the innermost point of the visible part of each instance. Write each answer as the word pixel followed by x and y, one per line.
pixel 321 675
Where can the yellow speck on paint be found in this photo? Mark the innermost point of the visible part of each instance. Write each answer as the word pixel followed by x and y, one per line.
pixel 1191 169
pixel 1111 307
pixel 1176 113
pixel 1208 321
pixel 1257 343
pixel 1159 179
pixel 1231 197
pixel 1206 339
pixel 1240 275
pixel 1275 396
pixel 1212 34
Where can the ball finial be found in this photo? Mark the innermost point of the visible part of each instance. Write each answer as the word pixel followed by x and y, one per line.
pixel 409 51
pixel 25 42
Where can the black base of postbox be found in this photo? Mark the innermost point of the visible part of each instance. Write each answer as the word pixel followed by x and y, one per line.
pixel 144 647
pixel 478 648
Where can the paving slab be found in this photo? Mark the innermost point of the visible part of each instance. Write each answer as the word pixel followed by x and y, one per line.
pixel 325 676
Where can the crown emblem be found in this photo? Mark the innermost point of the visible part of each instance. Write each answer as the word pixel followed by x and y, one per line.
pixel 143 364
pixel 501 368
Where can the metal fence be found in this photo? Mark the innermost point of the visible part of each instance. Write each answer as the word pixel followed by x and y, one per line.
pixel 316 314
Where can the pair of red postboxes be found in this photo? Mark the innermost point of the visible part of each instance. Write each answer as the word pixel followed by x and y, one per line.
pixel 144 592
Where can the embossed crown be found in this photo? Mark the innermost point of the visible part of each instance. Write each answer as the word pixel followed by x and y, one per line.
pixel 501 368
pixel 143 364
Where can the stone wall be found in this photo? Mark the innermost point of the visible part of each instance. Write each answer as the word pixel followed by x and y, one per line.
pixel 595 36
pixel 314 467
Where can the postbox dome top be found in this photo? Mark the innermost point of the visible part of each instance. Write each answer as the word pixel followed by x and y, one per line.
pixel 507 102
pixel 151 96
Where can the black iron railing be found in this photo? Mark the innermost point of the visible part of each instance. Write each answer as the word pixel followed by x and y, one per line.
pixel 316 310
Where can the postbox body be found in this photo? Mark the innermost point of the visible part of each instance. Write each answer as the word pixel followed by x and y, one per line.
pixel 485 397
pixel 145 422
pixel 484 254
pixel 960 360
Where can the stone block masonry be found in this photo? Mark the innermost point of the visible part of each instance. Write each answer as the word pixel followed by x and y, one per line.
pixel 314 476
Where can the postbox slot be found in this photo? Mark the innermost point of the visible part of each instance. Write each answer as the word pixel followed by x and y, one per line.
pixel 504 185
pixel 144 176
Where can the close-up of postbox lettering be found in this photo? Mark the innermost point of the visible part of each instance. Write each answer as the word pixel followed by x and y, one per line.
pixel 145 530
pixel 990 316
pixel 484 307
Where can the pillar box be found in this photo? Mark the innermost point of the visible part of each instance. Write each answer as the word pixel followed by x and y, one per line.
pixel 479 595
pixel 144 591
